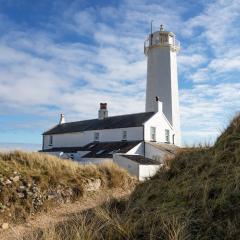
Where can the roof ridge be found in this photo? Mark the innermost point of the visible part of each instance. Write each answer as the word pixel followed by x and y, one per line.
pixel 114 122
pixel 105 118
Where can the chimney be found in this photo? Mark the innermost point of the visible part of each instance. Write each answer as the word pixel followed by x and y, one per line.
pixel 62 119
pixel 103 112
pixel 158 106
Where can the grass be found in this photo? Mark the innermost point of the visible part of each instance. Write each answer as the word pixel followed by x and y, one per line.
pixel 196 196
pixel 40 174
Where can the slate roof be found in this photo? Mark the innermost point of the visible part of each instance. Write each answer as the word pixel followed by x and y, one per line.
pixel 63 149
pixel 107 149
pixel 122 121
pixel 98 149
pixel 166 147
pixel 142 160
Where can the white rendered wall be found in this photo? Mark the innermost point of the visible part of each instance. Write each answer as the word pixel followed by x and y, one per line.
pixel 162 81
pixel 131 166
pixel 154 153
pixel 140 171
pixel 139 149
pixel 146 171
pixel 94 160
pixel 175 99
pixel 82 138
pixel 159 121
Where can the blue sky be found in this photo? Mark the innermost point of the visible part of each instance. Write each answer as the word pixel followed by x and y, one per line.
pixel 67 56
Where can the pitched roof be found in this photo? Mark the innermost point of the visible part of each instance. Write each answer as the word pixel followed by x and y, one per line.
pixel 166 147
pixel 98 149
pixel 122 121
pixel 107 149
pixel 141 159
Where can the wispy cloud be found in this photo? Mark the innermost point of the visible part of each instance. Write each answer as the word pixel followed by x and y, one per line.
pixel 93 53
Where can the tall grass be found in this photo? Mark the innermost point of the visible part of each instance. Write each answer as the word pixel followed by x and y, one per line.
pixel 48 173
pixel 196 197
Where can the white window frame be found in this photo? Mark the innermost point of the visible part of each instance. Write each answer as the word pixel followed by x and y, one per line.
pixel 124 135
pixel 153 134
pixel 167 135
pixel 96 136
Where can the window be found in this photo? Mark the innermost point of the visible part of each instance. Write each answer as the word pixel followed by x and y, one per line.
pixel 100 152
pixel 152 134
pixel 173 138
pixel 50 140
pixel 92 145
pixel 124 135
pixel 167 136
pixel 96 136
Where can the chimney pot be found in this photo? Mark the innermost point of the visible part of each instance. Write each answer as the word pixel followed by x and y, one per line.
pixel 62 119
pixel 103 112
pixel 158 107
pixel 103 105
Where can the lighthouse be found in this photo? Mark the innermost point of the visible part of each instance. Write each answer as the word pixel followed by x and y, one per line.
pixel 161 49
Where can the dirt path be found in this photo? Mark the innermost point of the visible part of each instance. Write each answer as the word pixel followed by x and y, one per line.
pixel 60 213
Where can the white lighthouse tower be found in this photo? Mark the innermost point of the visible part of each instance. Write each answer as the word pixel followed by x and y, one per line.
pixel 161 48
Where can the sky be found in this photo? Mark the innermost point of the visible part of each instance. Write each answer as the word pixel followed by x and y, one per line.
pixel 66 57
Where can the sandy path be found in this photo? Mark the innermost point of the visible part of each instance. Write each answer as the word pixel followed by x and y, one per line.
pixel 60 213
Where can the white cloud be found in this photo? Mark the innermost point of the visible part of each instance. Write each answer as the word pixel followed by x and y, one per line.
pixel 207 109
pixel 42 75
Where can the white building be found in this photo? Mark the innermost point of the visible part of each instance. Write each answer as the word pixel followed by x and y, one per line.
pixel 137 165
pixel 152 134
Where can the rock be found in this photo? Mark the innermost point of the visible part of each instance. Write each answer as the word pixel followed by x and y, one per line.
pixel 5 226
pixel 93 185
pixel 2 206
pixel 8 182
pixel 21 195
pixel 29 193
pixel 22 188
pixel 15 179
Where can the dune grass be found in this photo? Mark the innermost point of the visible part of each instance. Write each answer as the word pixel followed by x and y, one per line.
pixel 28 179
pixel 197 196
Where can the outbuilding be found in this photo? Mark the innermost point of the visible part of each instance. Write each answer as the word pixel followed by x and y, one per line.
pixel 137 165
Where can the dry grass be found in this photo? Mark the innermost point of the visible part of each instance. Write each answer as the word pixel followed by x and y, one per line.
pixel 48 172
pixel 195 197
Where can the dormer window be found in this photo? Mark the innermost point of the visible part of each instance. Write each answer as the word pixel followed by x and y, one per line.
pixel 153 134
pixel 50 140
pixel 124 135
pixel 96 136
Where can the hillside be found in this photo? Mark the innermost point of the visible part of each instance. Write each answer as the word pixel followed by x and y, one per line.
pixel 33 182
pixel 195 197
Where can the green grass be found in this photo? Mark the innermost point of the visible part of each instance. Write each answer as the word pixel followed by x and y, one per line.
pixel 196 196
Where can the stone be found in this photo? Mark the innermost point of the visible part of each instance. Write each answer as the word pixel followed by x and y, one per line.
pixel 21 195
pixel 15 179
pixel 8 182
pixel 93 185
pixel 22 187
pixel 5 226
